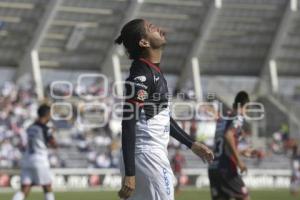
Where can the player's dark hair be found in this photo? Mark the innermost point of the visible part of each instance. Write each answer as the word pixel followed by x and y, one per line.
pixel 43 110
pixel 131 34
pixel 241 99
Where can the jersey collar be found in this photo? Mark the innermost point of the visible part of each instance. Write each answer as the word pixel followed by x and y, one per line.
pixel 150 64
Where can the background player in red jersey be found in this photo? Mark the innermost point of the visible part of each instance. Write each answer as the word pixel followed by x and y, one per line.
pixel 177 162
pixel 225 181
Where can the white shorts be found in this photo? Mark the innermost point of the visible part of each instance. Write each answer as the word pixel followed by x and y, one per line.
pixel 36 176
pixel 154 177
pixel 295 185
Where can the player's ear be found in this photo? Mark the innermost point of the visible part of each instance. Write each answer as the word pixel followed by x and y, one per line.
pixel 144 43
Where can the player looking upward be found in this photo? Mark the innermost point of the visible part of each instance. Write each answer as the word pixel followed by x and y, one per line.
pixel 147 124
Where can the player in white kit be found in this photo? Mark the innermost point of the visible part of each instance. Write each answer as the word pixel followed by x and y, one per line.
pixel 147 123
pixel 35 167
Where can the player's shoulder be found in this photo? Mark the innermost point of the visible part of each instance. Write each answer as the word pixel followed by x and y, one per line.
pixel 233 120
pixel 238 121
pixel 140 72
pixel 38 126
pixel 33 126
pixel 140 68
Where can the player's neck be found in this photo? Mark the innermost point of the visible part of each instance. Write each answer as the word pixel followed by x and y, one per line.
pixel 153 55
pixel 41 121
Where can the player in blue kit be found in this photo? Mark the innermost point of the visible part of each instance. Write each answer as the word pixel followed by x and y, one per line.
pixel 35 166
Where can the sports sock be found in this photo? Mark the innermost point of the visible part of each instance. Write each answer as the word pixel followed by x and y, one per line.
pixel 49 196
pixel 19 196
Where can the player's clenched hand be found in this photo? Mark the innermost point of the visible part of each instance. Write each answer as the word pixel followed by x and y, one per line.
pixel 242 167
pixel 128 187
pixel 203 152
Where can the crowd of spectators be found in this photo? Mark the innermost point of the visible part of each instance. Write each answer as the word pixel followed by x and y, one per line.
pixel 282 142
pixel 18 106
pixel 98 146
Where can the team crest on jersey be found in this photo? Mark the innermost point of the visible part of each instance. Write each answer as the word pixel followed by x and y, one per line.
pixel 141 85
pixel 140 78
pixel 142 95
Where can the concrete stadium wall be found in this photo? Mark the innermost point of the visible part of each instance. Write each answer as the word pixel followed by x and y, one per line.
pixel 70 179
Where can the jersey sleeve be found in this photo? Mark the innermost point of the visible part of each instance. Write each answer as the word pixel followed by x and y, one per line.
pixel 139 85
pixel 179 134
pixel 236 124
pixel 137 90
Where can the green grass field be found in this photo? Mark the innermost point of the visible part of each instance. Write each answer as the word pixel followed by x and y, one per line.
pixel 185 195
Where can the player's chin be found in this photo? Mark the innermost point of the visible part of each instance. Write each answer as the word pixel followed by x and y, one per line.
pixel 163 43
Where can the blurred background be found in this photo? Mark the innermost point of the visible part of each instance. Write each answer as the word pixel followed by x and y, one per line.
pixel 58 51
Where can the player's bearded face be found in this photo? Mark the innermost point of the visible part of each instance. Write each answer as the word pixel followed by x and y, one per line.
pixel 155 35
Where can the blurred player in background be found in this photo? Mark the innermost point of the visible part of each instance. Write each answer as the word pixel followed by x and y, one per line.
pixel 225 181
pixel 147 123
pixel 177 162
pixel 295 178
pixel 35 167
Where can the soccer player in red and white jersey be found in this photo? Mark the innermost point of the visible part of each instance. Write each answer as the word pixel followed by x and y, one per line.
pixel 147 123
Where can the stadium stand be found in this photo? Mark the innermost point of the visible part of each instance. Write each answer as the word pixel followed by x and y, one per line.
pixel 232 40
